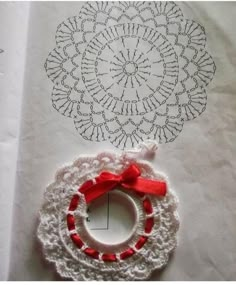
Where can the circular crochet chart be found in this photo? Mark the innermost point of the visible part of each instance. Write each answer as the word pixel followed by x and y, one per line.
pixel 129 71
pixel 70 244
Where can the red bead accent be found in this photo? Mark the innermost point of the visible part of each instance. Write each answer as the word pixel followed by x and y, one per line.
pixel 147 206
pixel 109 257
pixel 125 254
pixel 91 252
pixel 149 225
pixel 140 243
pixel 70 222
pixel 74 202
pixel 77 240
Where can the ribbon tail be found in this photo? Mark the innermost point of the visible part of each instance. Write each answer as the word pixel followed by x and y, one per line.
pixel 94 191
pixel 147 186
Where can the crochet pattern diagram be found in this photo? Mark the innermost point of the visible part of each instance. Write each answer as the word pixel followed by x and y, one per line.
pixel 125 72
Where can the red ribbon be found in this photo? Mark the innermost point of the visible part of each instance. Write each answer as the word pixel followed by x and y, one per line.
pixel 130 180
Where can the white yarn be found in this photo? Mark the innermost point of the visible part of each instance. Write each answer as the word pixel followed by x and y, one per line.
pixel 71 262
pixel 145 150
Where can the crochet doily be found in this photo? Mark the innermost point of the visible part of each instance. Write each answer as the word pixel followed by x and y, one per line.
pixel 130 71
pixel 148 246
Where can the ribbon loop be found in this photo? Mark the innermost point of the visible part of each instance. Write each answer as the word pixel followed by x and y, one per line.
pixel 129 179
pixel 107 176
pixel 131 173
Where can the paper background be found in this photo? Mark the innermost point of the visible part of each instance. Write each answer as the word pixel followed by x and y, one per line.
pixel 13 40
pixel 200 163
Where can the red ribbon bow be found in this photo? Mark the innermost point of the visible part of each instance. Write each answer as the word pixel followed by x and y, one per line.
pixel 129 179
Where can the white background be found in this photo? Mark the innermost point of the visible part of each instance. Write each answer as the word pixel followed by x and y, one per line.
pixel 200 163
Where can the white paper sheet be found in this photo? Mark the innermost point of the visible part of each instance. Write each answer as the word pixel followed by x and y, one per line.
pixel 200 163
pixel 13 42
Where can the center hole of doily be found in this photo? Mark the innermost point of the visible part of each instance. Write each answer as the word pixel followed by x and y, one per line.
pixel 112 218
pixel 130 68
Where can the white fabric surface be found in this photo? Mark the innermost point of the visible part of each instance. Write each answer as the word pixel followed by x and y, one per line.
pixel 200 163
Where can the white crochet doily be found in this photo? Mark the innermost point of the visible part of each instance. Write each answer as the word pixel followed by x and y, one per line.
pixel 70 260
